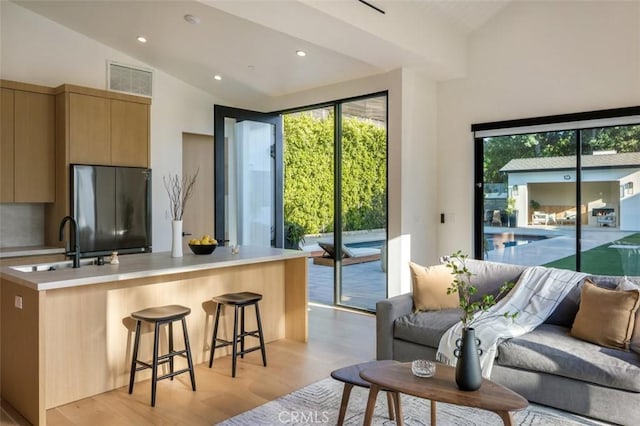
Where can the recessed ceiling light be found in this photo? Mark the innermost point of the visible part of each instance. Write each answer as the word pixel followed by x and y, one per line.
pixel 142 39
pixel 301 53
pixel 217 77
pixel 192 19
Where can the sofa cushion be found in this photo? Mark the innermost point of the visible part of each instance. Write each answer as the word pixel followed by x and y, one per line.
pixel 606 317
pixel 566 311
pixel 550 349
pixel 430 286
pixel 425 328
pixel 488 277
pixel 628 284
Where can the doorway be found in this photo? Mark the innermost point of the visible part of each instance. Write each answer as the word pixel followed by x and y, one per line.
pixel 197 155
pixel 248 181
pixel 335 159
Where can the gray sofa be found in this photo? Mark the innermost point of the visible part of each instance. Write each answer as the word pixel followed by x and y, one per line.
pixel 547 366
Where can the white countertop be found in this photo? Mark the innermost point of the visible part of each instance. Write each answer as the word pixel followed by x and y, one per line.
pixel 8 252
pixel 134 266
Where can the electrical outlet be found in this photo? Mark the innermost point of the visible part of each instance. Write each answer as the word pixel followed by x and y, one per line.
pixel 18 302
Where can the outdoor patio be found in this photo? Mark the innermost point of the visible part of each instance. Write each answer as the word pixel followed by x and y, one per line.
pixel 364 284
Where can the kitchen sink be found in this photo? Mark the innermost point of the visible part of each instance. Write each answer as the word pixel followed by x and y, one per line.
pixel 54 266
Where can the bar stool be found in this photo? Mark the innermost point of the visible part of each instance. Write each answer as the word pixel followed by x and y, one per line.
pixel 158 316
pixel 239 301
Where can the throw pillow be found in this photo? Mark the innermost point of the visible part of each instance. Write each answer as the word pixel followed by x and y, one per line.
pixel 627 284
pixel 606 317
pixel 430 288
pixel 489 276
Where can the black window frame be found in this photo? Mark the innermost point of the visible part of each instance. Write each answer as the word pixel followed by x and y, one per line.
pixel 524 123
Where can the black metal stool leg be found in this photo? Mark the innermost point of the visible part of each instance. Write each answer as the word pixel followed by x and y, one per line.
pixel 154 365
pixel 234 351
pixel 215 335
pixel 134 357
pixel 262 348
pixel 171 347
pixel 188 349
pixel 242 330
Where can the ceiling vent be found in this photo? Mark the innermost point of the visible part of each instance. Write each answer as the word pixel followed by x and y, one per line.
pixel 127 79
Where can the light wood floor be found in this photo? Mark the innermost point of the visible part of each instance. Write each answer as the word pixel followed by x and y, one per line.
pixel 336 339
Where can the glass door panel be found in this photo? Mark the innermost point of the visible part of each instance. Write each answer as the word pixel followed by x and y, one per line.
pixel 362 278
pixel 610 175
pixel 250 169
pixel 336 179
pixel 248 178
pixel 309 193
pixel 529 199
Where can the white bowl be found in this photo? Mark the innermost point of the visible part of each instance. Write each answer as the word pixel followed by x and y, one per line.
pixel 423 368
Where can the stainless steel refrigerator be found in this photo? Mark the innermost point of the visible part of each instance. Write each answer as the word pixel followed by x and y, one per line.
pixel 112 206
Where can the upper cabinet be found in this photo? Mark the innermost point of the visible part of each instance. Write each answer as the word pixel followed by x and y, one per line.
pixel 6 145
pixel 89 129
pixel 27 143
pixel 104 128
pixel 129 133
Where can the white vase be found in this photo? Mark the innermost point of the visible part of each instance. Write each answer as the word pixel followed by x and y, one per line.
pixel 176 238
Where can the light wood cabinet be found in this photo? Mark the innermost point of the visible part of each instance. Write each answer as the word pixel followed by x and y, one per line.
pixel 28 144
pixel 6 146
pixel 104 128
pixel 95 127
pixel 34 150
pixel 89 129
pixel 129 133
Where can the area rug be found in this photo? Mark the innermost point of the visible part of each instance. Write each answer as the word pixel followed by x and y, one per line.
pixel 319 404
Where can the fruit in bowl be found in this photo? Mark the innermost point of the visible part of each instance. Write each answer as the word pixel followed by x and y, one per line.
pixel 205 245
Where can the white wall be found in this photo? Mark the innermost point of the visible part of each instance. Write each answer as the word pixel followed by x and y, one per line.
pixel 411 162
pixel 37 50
pixel 532 59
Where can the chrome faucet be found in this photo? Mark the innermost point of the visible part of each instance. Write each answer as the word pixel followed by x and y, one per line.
pixel 75 254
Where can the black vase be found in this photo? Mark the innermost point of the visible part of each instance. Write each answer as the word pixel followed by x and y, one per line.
pixel 468 371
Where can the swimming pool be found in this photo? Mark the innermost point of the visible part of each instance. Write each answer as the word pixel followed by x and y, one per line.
pixel 370 244
pixel 498 241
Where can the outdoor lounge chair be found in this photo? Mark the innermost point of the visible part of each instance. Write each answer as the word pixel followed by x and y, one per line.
pixel 349 255
pixel 541 218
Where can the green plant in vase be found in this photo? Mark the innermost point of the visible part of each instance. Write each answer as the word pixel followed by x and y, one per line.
pixel 294 235
pixel 465 289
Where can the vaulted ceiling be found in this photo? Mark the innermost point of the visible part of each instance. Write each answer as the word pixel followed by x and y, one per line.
pixel 252 44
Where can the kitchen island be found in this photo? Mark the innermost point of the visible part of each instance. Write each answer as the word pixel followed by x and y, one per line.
pixel 67 334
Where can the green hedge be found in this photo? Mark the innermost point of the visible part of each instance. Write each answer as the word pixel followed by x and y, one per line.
pixel 308 173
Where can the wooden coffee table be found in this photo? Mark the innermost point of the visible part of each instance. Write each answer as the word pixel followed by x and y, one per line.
pixel 350 376
pixel 440 388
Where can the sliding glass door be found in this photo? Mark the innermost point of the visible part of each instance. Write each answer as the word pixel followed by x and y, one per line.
pixel 529 213
pixel 335 190
pixel 565 198
pixel 361 275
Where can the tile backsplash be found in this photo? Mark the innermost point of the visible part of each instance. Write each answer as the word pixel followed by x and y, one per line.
pixel 21 225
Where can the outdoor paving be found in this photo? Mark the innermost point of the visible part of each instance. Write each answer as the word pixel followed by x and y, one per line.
pixel 561 244
pixel 364 284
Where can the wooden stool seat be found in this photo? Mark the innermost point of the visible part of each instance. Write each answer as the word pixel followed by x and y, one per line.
pixel 159 316
pixel 239 301
pixel 243 298
pixel 350 376
pixel 161 313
